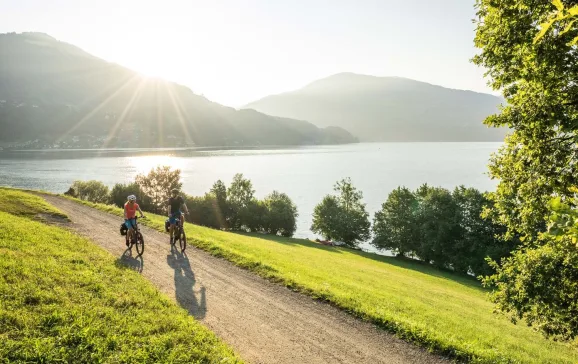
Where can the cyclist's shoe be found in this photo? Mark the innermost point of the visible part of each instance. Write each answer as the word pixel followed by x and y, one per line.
pixel 126 242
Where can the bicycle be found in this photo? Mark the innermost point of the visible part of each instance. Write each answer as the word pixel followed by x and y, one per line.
pixel 179 233
pixel 139 241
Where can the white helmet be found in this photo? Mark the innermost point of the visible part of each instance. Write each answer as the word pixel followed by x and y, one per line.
pixel 132 198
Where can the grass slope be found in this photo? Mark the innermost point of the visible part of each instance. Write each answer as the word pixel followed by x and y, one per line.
pixel 62 299
pixel 25 204
pixel 447 313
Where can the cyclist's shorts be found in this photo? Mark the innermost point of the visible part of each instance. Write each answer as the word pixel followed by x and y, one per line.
pixel 175 217
pixel 130 223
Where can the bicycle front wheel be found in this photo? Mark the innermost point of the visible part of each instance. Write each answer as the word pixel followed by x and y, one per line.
pixel 183 241
pixel 139 243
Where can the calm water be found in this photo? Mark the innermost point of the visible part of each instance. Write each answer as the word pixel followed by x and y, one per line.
pixel 305 174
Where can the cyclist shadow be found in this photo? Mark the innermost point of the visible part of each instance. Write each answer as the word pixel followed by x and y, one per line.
pixel 191 299
pixel 127 259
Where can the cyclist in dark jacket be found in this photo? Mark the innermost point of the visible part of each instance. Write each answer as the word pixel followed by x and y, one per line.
pixel 176 208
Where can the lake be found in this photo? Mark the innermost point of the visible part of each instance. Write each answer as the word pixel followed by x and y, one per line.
pixel 306 174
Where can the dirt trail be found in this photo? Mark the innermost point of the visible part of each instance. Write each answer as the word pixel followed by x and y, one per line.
pixel 262 321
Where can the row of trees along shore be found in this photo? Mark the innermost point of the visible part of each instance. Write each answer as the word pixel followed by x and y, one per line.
pixel 431 224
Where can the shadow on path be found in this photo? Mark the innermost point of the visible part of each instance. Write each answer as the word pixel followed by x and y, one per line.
pixel 191 298
pixel 128 260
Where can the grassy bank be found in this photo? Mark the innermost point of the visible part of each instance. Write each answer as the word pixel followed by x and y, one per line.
pixel 62 299
pixel 442 311
pixel 20 203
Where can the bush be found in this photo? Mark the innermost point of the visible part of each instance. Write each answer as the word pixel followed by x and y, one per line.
pixel 205 211
pixel 281 215
pixel 93 191
pixel 342 217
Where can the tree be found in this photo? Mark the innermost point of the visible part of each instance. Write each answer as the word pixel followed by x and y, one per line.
pixel 158 185
pixel 479 236
pixel 540 284
pixel 560 22
pixel 120 192
pixel 93 191
pixel 326 218
pixel 252 216
pixel 342 217
pixel 281 216
pixel 533 61
pixel 394 226
pixel 438 224
pixel 239 196
pixel 220 206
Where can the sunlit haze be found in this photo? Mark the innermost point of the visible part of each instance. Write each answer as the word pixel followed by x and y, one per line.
pixel 237 51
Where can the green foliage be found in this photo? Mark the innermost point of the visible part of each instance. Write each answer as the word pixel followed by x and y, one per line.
pixel 326 218
pixel 395 225
pixel 120 192
pixel 93 191
pixel 222 210
pixel 206 211
pixel 342 217
pixel 521 280
pixel 158 185
pixel 442 311
pixel 239 196
pixel 531 59
pixel 65 300
pixel 480 237
pixel 562 20
pixel 281 216
pixel 438 221
pixel 252 216
pixel 442 228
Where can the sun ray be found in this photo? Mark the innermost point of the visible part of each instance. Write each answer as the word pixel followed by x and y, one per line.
pixel 124 113
pixel 97 108
pixel 177 105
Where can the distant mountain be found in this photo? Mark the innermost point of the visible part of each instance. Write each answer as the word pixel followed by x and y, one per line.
pixel 389 109
pixel 55 93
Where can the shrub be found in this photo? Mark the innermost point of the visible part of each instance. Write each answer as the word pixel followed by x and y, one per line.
pixel 93 191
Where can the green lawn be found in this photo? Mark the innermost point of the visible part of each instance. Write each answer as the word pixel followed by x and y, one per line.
pixel 442 311
pixel 63 299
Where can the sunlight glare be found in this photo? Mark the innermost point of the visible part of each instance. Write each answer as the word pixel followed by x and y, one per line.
pixel 144 164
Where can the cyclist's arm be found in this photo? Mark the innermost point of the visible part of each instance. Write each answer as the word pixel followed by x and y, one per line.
pixel 139 210
pixel 125 215
pixel 186 209
pixel 169 210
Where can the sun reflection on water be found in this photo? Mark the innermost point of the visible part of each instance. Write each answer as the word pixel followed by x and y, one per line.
pixel 143 164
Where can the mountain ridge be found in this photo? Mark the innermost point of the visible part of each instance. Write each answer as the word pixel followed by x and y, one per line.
pixel 54 92
pixel 389 108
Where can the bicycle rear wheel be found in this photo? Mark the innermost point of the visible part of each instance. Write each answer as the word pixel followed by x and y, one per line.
pixel 182 240
pixel 139 243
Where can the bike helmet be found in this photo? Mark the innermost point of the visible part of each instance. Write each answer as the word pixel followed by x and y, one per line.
pixel 175 190
pixel 132 198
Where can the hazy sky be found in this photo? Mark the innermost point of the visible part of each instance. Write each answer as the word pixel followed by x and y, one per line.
pixel 236 51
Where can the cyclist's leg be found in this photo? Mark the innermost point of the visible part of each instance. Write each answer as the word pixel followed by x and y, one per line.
pixel 172 221
pixel 132 224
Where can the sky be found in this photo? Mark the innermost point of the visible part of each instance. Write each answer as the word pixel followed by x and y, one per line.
pixel 237 51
